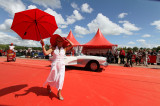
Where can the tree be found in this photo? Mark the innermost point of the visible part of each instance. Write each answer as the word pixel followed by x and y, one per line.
pixel 158 48
pixel 141 48
pixel 154 48
pixel 119 48
pixel 129 48
pixel 47 46
pixel 6 47
pixel 135 48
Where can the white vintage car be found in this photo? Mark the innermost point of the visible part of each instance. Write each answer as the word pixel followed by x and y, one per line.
pixel 93 63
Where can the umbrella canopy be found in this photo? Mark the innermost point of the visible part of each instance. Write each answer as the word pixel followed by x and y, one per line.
pixel 34 24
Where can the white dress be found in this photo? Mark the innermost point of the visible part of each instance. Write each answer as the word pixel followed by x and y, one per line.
pixel 57 73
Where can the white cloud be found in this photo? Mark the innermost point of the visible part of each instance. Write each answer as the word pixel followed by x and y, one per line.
pixel 86 8
pixel 48 3
pixel 140 43
pixel 5 27
pixel 80 30
pixel 75 6
pixel 105 25
pixel 157 24
pixel 70 19
pixel 145 44
pixel 74 17
pixel 131 42
pixel 108 27
pixel 7 39
pixel 146 36
pixel 59 19
pixel 12 6
pixel 128 26
pixel 32 7
pixel 122 46
pixel 141 40
pixel 79 36
pixel 59 31
pixel 122 15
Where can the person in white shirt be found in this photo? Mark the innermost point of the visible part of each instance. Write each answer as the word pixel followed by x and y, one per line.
pixel 11 47
pixel 145 57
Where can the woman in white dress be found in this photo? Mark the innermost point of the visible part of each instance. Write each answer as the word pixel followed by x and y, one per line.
pixel 57 73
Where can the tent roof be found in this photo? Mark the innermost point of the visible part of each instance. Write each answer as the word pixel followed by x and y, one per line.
pixel 99 41
pixel 72 39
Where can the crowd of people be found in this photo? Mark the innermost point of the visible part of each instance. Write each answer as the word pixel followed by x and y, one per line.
pixel 26 53
pixel 141 56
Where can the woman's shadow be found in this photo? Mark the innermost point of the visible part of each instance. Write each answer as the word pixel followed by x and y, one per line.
pixel 39 91
pixel 12 89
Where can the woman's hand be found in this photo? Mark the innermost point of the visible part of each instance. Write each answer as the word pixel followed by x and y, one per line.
pixel 69 41
pixel 42 42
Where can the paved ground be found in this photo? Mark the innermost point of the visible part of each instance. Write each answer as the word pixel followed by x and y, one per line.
pixel 21 85
pixel 142 66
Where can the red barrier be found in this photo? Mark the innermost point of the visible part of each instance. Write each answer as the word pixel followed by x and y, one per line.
pixel 152 59
pixel 133 58
pixel 3 53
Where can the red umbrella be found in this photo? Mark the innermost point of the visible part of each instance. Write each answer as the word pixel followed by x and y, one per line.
pixel 34 24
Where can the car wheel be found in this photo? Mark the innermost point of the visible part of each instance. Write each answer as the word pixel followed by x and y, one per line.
pixel 93 65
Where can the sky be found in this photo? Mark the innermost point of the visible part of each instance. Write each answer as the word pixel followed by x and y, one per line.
pixel 127 23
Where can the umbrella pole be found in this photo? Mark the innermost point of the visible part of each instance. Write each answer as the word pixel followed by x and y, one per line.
pixel 38 29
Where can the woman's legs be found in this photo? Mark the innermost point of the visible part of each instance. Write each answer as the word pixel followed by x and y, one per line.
pixel 59 95
pixel 61 70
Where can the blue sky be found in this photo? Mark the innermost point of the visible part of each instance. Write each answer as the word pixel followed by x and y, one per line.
pixel 124 22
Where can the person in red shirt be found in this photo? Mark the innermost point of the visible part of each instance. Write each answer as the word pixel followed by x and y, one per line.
pixel 0 52
pixel 122 56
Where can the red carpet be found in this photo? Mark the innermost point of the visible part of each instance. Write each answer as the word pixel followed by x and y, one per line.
pixel 21 84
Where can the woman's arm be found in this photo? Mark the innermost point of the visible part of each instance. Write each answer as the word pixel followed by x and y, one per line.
pixel 70 46
pixel 46 52
pixel 44 49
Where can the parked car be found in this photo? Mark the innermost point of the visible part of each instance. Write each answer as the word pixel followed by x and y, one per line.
pixel 93 63
pixel 41 55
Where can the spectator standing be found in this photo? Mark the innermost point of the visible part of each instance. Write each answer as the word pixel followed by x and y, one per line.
pixel 145 57
pixel 129 57
pixel 0 52
pixel 136 57
pixel 149 52
pixel 116 56
pixel 154 53
pixel 122 56
pixel 139 55
pixel 109 55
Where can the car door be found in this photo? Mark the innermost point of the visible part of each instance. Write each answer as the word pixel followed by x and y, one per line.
pixel 70 60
